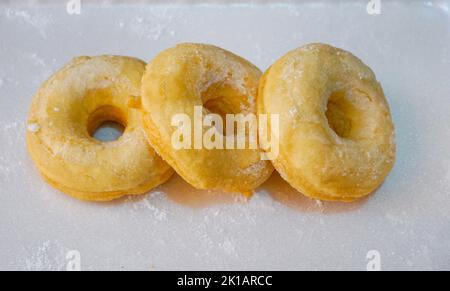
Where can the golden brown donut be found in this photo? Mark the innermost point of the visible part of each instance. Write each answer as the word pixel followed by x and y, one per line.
pixel 217 81
pixel 69 107
pixel 336 134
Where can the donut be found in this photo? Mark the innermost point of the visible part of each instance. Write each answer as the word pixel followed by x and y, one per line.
pixel 190 76
pixel 65 112
pixel 336 135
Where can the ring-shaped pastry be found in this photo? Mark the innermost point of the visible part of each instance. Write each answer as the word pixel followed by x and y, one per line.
pixel 69 107
pixel 191 76
pixel 336 134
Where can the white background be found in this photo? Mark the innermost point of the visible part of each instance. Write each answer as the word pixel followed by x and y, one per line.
pixel 407 220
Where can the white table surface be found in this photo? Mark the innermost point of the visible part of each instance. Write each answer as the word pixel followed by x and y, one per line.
pixel 407 221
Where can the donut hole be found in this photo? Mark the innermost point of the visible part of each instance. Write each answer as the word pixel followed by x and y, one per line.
pixel 108 131
pixel 106 124
pixel 218 106
pixel 222 99
pixel 342 115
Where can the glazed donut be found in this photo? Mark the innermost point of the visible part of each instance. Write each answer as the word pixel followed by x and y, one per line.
pixel 217 81
pixel 69 107
pixel 336 136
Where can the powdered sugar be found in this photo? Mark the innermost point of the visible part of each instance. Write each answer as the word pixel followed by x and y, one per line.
pixel 151 26
pixel 33 127
pixel 263 233
pixel 146 204
pixel 49 256
pixel 255 169
pixel 37 21
pixel 37 60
